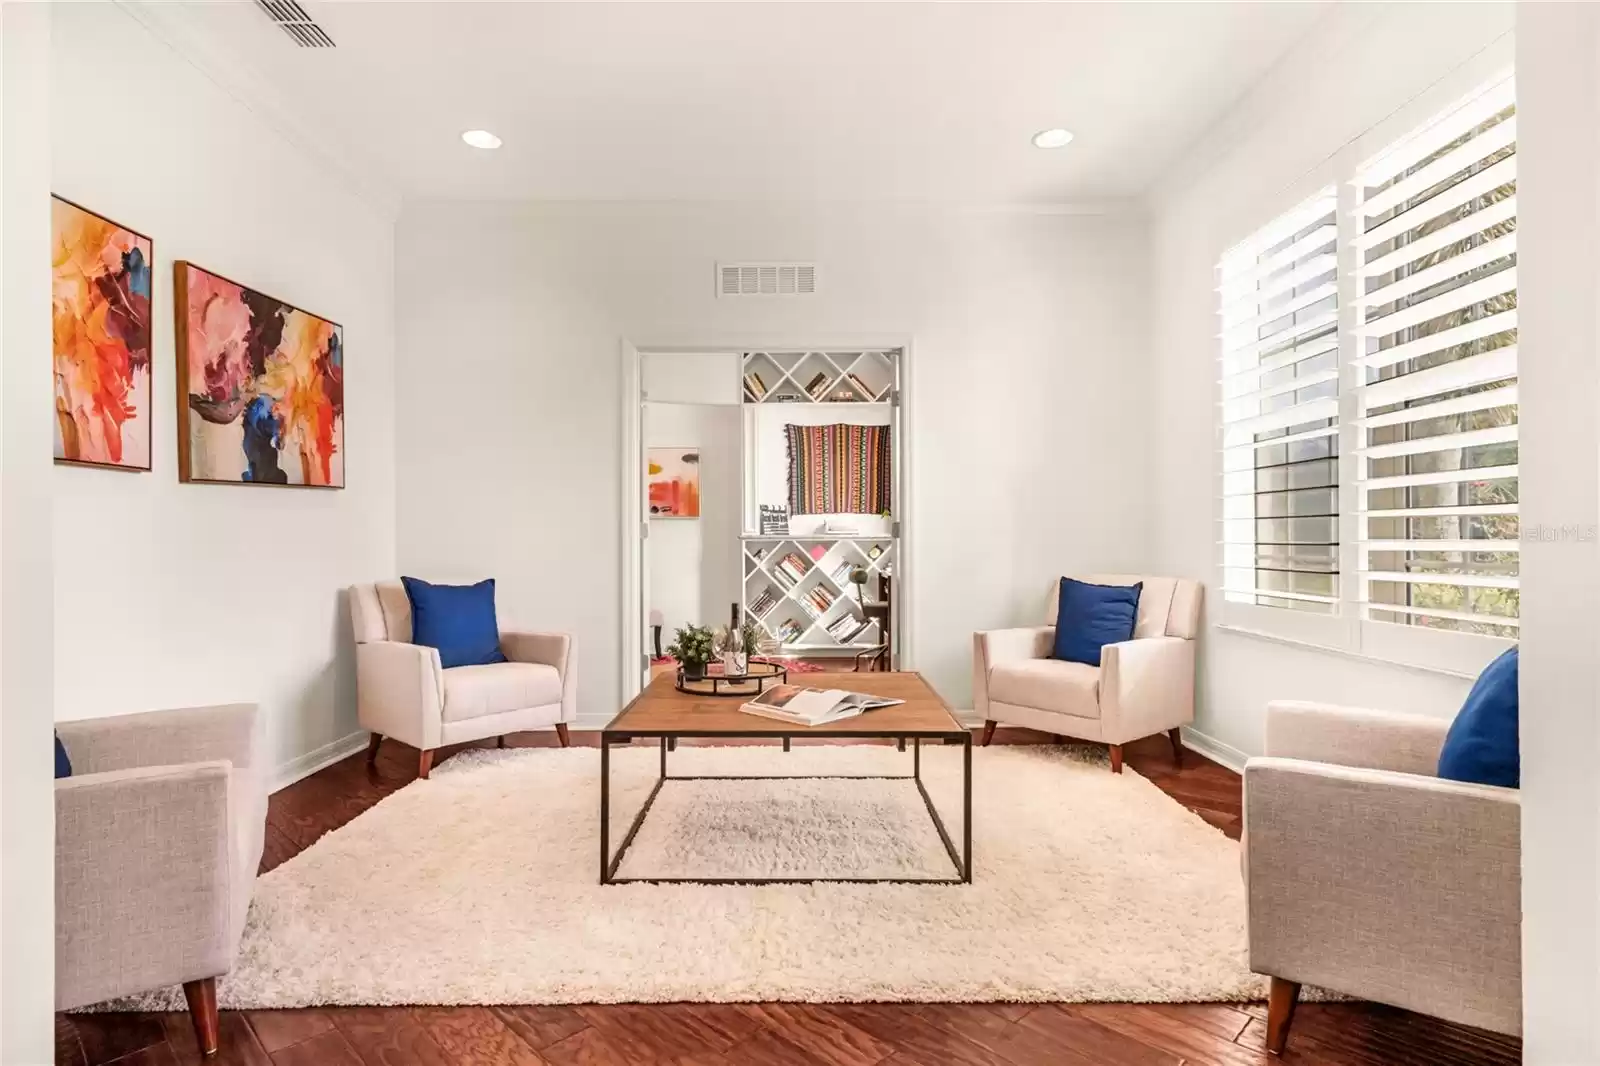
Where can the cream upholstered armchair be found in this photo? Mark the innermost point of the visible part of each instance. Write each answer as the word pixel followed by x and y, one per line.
pixel 158 838
pixel 1370 876
pixel 1142 687
pixel 402 692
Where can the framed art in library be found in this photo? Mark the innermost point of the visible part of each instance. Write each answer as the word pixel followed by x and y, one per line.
pixel 100 329
pixel 260 386
pixel 674 482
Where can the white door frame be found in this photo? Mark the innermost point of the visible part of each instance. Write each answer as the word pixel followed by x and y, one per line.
pixel 631 480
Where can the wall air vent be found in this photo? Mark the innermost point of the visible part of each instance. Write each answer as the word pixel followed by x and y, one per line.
pixel 290 17
pixel 766 279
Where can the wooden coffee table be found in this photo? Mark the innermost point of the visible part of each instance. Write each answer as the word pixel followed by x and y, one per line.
pixel 663 713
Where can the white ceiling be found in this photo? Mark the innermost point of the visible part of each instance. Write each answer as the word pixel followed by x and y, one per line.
pixel 755 101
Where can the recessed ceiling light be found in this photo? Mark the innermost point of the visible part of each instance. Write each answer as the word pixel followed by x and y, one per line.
pixel 482 139
pixel 1056 138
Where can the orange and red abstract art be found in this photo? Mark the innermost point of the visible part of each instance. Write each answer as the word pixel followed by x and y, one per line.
pixel 261 387
pixel 673 478
pixel 100 333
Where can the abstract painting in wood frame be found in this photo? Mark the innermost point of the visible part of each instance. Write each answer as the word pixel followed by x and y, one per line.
pixel 100 289
pixel 674 482
pixel 260 386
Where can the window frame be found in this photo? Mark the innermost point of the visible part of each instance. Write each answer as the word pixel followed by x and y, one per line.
pixel 1347 632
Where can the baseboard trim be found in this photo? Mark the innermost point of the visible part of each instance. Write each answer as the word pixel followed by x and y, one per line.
pixel 305 765
pixel 1214 749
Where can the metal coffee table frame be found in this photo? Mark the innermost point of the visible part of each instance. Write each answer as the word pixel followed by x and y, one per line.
pixel 610 863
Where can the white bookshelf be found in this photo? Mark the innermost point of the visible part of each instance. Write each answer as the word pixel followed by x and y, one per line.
pixel 779 601
pixel 789 613
pixel 819 377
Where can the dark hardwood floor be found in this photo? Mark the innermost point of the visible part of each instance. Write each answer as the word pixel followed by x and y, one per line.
pixel 768 1034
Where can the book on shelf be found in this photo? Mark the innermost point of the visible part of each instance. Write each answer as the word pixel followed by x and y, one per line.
pixel 790 631
pixel 841 573
pixel 799 705
pixel 861 387
pixel 795 565
pixel 847 628
pixel 754 386
pixel 782 577
pixel 817 387
pixel 763 603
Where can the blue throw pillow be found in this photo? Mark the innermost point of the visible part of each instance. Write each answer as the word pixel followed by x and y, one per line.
pixel 63 764
pixel 1481 746
pixel 457 619
pixel 1088 617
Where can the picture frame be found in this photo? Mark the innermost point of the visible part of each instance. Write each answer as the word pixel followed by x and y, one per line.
pixel 673 482
pixel 102 339
pixel 260 386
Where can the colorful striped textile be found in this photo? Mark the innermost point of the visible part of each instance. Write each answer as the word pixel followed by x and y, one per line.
pixel 838 469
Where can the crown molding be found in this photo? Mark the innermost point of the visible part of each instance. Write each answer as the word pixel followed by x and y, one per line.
pixel 230 73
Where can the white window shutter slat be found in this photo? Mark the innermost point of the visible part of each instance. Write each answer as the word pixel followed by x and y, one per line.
pixel 1435 365
pixel 1278 310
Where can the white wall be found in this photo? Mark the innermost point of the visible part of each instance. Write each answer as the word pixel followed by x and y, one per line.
pixel 694 562
pixel 170 594
pixel 1304 126
pixel 769 460
pixel 27 797
pixel 1029 405
pixel 1558 232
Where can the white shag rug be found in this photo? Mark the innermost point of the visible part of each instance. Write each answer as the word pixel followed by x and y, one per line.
pixel 480 886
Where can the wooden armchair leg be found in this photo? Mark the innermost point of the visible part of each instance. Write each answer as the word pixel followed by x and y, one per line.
pixel 500 741
pixel 372 748
pixel 561 734
pixel 424 764
pixel 202 997
pixel 988 732
pixel 1116 758
pixel 1281 1001
pixel 1177 747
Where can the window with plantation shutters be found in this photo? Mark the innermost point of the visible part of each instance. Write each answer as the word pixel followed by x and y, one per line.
pixel 1435 372
pixel 1278 304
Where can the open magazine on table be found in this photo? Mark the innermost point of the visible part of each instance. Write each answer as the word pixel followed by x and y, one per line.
pixel 813 706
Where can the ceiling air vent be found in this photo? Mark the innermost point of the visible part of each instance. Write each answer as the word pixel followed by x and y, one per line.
pixel 290 17
pixel 766 279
